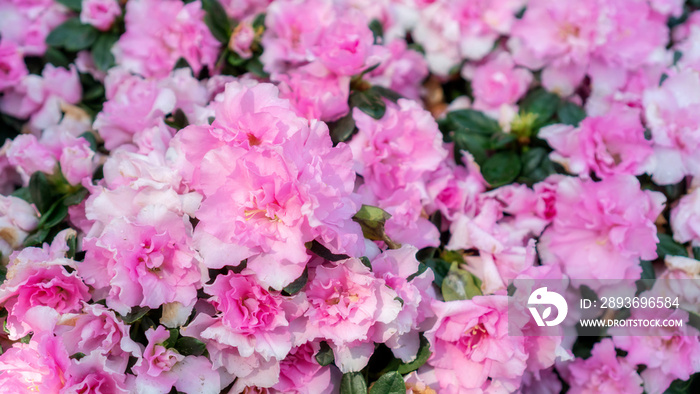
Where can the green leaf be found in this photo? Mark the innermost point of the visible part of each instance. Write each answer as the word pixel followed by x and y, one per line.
pixel 259 21
pixel 297 285
pixel 353 383
pixel 23 193
pixel 440 269
pixel 647 270
pixel 56 57
pixel 421 358
pixel 541 103
pixel 325 355
pixel 474 121
pixel 77 356
pixel 501 168
pixel 102 50
pixel 667 246
pixel 75 5
pixel 369 102
pixel 372 220
pixel 389 383
pixel 386 93
pixel 460 285
pixel 72 35
pixel 188 346
pixel 536 165
pixel 178 121
pixel 72 243
pixel 255 66
pixel 37 238
pixel 570 113
pixel 172 339
pixel 75 198
pixel 217 20
pixel 502 140
pixel 319 250
pixel 377 30
pixel 54 215
pixel 342 129
pixel 136 314
pixel 403 368
pixel 473 142
pixel 41 191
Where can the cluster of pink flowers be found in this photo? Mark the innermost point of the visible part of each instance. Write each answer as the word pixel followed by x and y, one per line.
pixel 315 196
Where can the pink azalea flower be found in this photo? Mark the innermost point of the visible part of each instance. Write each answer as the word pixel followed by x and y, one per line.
pixel 12 67
pixel 282 180
pixel 668 353
pixel 568 37
pixel 452 30
pixel 38 366
pixel 348 306
pixel 315 92
pixel 97 329
pixel 602 229
pixel 131 94
pixel 145 261
pixel 401 334
pixel 241 9
pixel 17 220
pixel 684 218
pixel 152 370
pixel 28 23
pixel 100 13
pixel 88 375
pixel 400 69
pixel 39 289
pixel 301 374
pixel 672 113
pixel 606 145
pixel 39 97
pixel 398 149
pixel 471 346
pixel 603 372
pixel 497 82
pixel 152 45
pixel 250 333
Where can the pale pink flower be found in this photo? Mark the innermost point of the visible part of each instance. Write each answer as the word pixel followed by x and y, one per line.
pixel 97 329
pixel 300 373
pixel 39 289
pixel 17 220
pixel 144 261
pixel 28 23
pixel 12 67
pixel 672 113
pixel 684 218
pixel 100 13
pixel 669 353
pixel 159 32
pixel 39 97
pixel 281 178
pixel 452 30
pixel 602 229
pixel 153 368
pixel 141 98
pixel 401 334
pixel 398 149
pixel 250 333
pixel 605 145
pixel 89 375
pixel 315 92
pixel 241 39
pixel 38 366
pixel 345 44
pixel 497 82
pixel 603 372
pixel 242 9
pixel 400 68
pixel 347 306
pixel 471 346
